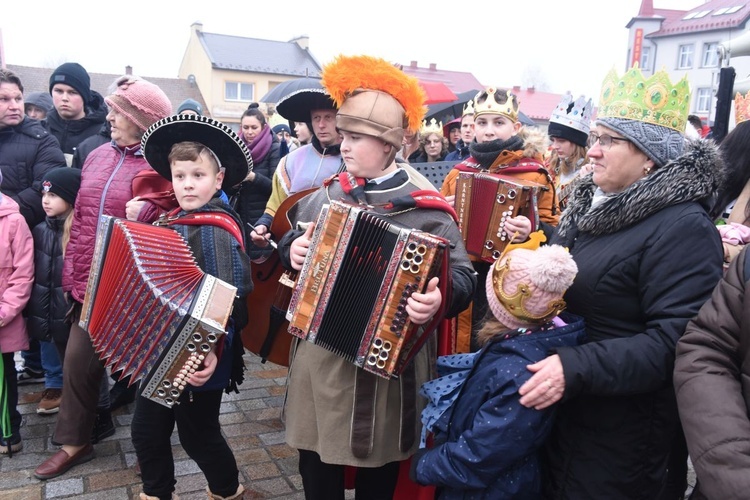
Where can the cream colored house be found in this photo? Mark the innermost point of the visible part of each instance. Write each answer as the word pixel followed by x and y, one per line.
pixel 232 71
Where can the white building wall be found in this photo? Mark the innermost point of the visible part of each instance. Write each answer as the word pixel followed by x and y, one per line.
pixel 665 52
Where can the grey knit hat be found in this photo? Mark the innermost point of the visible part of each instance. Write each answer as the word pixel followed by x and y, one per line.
pixel 660 144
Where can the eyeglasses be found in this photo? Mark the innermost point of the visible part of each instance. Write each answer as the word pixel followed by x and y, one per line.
pixel 605 140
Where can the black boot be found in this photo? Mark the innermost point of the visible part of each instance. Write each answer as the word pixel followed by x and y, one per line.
pixel 103 425
pixel 121 394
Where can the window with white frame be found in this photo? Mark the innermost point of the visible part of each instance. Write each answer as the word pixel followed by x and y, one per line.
pixel 703 100
pixel 685 57
pixel 710 54
pixel 645 62
pixel 238 91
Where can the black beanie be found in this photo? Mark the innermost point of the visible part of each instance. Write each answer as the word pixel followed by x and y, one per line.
pixel 568 133
pixel 64 182
pixel 75 75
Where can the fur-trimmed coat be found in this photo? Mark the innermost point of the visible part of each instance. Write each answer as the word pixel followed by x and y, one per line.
pixel 534 147
pixel 648 258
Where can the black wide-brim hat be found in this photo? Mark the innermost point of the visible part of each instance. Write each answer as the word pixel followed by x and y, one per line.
pixel 234 156
pixel 298 105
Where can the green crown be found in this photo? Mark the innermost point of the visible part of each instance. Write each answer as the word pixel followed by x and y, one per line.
pixel 654 100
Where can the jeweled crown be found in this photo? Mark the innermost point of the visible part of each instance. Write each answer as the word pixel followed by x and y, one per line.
pixel 434 127
pixel 468 108
pixel 488 102
pixel 574 114
pixel 741 108
pixel 652 100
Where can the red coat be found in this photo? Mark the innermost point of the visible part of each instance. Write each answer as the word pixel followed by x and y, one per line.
pixel 106 186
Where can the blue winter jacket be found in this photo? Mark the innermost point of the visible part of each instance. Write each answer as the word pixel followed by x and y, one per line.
pixel 487 445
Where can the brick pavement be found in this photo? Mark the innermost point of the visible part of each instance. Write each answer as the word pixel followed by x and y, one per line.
pixel 250 420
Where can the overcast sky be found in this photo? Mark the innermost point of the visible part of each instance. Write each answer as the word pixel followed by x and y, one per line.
pixel 570 43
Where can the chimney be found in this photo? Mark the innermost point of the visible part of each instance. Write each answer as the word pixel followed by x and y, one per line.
pixel 516 88
pixel 303 41
pixel 413 64
pixel 433 66
pixel 128 70
pixel 196 27
pixel 530 89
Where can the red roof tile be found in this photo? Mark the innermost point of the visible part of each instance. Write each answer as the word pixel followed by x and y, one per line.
pixel 537 105
pixel 675 23
pixel 457 81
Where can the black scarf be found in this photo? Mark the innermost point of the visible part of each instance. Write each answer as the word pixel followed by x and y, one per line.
pixel 486 153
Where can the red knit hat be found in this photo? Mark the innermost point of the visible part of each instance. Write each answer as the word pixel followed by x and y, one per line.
pixel 142 102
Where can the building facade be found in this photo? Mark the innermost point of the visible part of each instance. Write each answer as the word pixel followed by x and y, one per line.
pixel 687 43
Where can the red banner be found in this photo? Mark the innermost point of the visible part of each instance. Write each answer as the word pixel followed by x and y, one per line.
pixel 637 47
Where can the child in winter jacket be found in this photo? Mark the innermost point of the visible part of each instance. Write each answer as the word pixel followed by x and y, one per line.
pixel 198 170
pixel 47 307
pixel 16 280
pixel 502 146
pixel 486 444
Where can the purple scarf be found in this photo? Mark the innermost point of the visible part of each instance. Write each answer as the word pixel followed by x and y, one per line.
pixel 261 145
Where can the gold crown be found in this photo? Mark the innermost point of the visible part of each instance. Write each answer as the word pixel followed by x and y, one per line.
pixel 434 127
pixel 468 108
pixel 515 303
pixel 741 108
pixel 491 105
pixel 650 100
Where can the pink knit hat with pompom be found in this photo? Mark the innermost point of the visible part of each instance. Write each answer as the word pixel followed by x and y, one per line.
pixel 142 102
pixel 526 287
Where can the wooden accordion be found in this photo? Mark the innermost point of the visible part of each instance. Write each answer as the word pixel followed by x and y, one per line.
pixel 350 296
pixel 150 311
pixel 484 201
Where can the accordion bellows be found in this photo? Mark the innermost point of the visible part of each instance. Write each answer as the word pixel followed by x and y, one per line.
pixel 151 312
pixel 351 293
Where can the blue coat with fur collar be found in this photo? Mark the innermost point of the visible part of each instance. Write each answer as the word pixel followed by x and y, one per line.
pixel 486 444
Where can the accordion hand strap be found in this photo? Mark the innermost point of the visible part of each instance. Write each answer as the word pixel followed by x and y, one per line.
pixel 353 186
pixel 218 219
pixel 423 199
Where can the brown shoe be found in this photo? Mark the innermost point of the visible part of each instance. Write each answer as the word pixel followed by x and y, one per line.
pixel 60 462
pixel 50 402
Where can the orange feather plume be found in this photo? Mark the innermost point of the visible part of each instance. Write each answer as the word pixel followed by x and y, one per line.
pixel 348 73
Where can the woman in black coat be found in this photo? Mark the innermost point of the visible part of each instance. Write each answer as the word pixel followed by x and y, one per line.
pixel 252 194
pixel 648 256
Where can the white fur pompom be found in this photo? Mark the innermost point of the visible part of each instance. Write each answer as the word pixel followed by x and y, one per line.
pixel 552 268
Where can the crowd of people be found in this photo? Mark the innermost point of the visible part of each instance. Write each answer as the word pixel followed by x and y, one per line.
pixel 591 356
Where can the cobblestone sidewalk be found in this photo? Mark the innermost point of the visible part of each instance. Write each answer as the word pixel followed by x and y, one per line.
pixel 250 420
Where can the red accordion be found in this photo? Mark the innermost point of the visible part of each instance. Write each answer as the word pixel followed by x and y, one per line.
pixel 351 293
pixel 484 201
pixel 150 311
